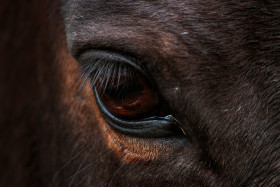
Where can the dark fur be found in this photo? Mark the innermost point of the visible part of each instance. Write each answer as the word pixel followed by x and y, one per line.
pixel 222 56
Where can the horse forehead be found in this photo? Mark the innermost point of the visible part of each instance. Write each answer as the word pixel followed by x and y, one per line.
pixel 162 11
pixel 191 31
pixel 185 19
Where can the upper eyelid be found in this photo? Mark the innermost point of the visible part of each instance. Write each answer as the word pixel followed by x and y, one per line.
pixel 94 55
pixel 110 56
pixel 96 64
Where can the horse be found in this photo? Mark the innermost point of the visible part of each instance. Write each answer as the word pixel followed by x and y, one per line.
pixel 140 93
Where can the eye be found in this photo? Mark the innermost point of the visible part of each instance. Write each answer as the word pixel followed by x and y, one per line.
pixel 128 100
pixel 129 96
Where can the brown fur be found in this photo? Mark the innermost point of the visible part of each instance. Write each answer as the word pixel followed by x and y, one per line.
pixel 216 64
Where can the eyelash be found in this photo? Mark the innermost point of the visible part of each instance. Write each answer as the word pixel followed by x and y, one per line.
pixel 100 71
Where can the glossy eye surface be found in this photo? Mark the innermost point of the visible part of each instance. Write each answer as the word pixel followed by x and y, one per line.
pixel 129 96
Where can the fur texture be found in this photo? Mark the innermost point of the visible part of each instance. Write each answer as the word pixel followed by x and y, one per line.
pixel 216 64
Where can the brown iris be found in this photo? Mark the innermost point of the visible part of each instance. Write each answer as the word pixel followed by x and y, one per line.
pixel 129 96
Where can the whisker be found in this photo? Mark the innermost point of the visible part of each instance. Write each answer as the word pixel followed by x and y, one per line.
pixel 96 160
pixel 75 157
pixel 115 174
pixel 79 167
pixel 69 161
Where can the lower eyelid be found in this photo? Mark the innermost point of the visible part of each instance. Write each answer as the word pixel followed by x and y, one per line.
pixel 150 127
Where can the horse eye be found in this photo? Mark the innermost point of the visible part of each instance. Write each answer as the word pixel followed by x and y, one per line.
pixel 130 96
pixel 128 101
